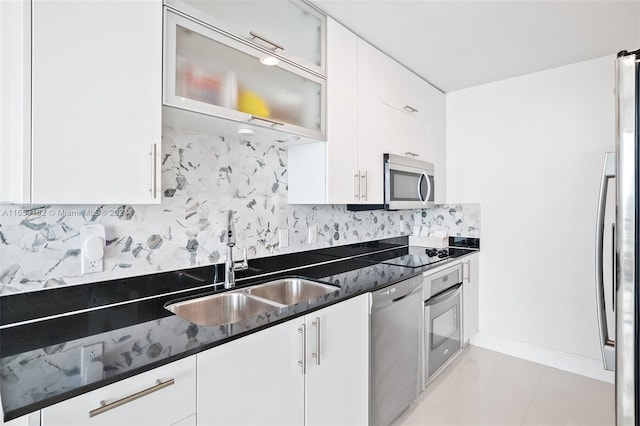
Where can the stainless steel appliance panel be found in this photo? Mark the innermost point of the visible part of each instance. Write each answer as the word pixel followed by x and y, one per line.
pixel 626 241
pixel 408 183
pixel 443 330
pixel 438 282
pixel 396 317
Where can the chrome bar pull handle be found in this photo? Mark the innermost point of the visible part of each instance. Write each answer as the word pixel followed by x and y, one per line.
pixel 607 345
pixel 275 45
pixel 316 354
pixel 154 170
pixel 410 109
pixel 303 363
pixel 466 277
pixel 104 406
pixel 272 122
pixel 356 191
pixel 411 154
pixel 363 182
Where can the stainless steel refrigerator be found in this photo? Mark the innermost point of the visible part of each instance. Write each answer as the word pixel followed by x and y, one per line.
pixel 621 352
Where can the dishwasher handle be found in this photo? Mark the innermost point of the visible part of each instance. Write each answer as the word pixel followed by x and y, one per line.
pixel 397 292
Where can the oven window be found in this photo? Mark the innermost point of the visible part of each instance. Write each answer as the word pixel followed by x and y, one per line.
pixel 404 186
pixel 444 326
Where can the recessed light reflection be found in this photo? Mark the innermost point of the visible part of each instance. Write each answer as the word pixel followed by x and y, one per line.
pixel 270 60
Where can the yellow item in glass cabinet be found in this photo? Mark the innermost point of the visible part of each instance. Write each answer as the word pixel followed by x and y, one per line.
pixel 253 104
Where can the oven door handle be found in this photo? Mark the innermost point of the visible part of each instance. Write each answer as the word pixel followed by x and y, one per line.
pixel 449 294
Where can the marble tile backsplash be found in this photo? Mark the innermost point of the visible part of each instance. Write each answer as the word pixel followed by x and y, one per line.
pixel 203 176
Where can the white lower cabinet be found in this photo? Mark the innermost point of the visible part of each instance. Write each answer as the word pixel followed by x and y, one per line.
pixel 337 387
pixel 163 396
pixel 311 370
pixel 470 296
pixel 254 380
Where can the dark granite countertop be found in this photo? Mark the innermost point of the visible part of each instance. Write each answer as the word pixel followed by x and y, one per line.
pixel 40 358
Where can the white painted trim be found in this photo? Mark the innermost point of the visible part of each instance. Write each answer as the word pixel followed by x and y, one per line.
pixel 588 367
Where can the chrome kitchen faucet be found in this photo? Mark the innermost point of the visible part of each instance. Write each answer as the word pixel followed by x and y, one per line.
pixel 230 266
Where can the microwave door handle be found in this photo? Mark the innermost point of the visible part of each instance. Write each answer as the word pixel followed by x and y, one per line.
pixel 426 197
pixel 607 345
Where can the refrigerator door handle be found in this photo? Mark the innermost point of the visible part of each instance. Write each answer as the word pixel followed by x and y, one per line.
pixel 607 345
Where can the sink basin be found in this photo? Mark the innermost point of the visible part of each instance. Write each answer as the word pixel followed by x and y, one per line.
pixel 220 309
pixel 290 291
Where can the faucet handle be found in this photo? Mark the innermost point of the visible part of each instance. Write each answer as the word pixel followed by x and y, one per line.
pixel 244 264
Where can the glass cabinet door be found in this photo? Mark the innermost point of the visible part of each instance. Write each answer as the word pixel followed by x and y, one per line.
pixel 288 28
pixel 209 72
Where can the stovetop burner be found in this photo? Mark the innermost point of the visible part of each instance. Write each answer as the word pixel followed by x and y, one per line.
pixel 432 252
pixel 419 257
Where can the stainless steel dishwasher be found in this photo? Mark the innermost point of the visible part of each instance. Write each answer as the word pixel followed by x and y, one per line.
pixel 396 329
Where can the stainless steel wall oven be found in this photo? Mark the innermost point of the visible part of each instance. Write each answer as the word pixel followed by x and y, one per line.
pixel 442 320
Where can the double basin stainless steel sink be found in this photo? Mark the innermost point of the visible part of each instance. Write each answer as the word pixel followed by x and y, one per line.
pixel 237 305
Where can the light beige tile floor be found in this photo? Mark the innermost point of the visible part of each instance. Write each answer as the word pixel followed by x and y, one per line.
pixel 488 388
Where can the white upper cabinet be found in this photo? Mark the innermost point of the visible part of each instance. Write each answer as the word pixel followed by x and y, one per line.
pixel 290 30
pixel 211 72
pixel 96 109
pixel 370 123
pixel 88 109
pixel 415 120
pixel 404 90
pixel 347 169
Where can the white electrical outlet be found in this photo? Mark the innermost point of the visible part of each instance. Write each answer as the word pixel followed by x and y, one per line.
pixel 401 226
pixel 313 234
pixel 283 235
pixel 91 365
pixel 92 241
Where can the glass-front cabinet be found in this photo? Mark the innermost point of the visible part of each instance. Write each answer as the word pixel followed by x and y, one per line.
pixel 212 72
pixel 289 29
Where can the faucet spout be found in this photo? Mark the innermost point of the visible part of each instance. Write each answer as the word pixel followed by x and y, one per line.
pixel 230 266
pixel 229 270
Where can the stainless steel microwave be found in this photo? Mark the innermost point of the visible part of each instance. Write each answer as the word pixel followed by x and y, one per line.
pixel 408 183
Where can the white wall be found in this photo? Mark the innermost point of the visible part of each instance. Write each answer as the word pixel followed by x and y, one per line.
pixel 530 150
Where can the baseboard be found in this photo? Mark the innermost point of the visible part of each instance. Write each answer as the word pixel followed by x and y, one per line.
pixel 561 360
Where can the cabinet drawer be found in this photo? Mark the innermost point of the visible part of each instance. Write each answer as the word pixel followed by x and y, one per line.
pixel 163 396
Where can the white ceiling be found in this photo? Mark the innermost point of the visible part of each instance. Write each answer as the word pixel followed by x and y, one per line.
pixel 456 44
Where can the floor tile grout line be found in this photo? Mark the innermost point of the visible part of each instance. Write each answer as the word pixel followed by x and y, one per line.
pixel 533 396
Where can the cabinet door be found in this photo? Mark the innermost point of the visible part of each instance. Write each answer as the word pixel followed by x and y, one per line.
pixel 470 296
pixel 338 380
pixel 370 121
pixel 207 71
pixel 96 106
pixel 405 134
pixel 255 380
pixel 165 405
pixel 404 90
pixel 342 99
pixel 290 29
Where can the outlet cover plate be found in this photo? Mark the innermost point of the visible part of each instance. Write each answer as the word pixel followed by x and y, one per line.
pixel 91 363
pixel 283 235
pixel 313 234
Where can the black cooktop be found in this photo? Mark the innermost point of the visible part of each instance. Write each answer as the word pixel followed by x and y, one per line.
pixel 418 257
